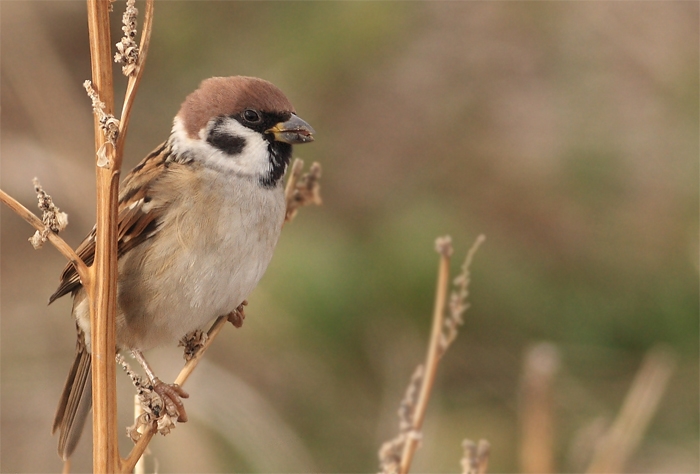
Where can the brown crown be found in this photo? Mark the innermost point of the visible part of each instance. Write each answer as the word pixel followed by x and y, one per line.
pixel 227 96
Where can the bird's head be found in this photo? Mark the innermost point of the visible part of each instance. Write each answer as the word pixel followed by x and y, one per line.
pixel 239 124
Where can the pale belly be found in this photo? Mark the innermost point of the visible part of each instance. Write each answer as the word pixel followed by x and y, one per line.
pixel 186 276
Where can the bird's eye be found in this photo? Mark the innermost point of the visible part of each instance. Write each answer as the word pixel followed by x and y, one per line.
pixel 251 115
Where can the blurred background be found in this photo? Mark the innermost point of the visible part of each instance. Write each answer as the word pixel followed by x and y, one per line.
pixel 566 132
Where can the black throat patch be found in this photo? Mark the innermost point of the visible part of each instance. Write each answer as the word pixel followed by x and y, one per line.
pixel 279 154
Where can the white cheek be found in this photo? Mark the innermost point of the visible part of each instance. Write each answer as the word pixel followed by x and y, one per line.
pixel 254 159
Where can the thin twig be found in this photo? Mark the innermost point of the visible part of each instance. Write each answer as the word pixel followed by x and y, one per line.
pixel 52 237
pixel 140 467
pixel 391 451
pixel 642 400
pixel 52 217
pixel 536 409
pixel 444 247
pixel 458 299
pixel 135 79
pixel 192 363
pixel 302 190
pixel 127 465
pixel 127 49
pixel 109 125
pixel 397 454
pixel 476 457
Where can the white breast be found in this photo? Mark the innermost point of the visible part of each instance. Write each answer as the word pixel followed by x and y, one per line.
pixel 217 239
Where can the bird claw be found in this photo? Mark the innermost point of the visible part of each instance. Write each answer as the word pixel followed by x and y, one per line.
pixel 237 316
pixel 172 393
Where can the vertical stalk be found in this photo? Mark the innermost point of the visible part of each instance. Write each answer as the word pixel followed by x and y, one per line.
pixel 431 362
pixel 536 410
pixel 102 291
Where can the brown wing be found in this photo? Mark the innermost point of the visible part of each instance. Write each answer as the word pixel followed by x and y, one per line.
pixel 138 217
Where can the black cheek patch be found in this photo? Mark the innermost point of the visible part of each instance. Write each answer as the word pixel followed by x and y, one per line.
pixel 229 144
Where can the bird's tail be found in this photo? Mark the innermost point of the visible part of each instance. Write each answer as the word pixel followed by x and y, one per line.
pixel 76 401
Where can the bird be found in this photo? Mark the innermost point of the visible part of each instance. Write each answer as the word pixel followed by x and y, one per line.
pixel 198 220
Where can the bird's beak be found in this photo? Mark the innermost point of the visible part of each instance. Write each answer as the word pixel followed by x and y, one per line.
pixel 294 130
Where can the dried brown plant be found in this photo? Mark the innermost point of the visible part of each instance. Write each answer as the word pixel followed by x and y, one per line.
pixel 536 409
pixel 396 455
pixel 99 280
pixel 612 449
pixel 641 402
pixel 51 236
pixel 108 164
pixel 53 219
pixel 476 457
pixel 302 190
pixel 127 50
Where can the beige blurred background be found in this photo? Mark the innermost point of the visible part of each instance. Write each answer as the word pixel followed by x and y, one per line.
pixel 567 132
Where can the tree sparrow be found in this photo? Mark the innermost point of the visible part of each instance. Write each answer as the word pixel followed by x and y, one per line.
pixel 199 219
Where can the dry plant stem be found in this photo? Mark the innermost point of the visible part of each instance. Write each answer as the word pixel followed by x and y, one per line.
pixel 431 362
pixel 483 451
pixel 476 457
pixel 536 413
pixel 135 79
pixel 103 293
pixel 140 467
pixel 55 240
pixel 302 190
pixel 127 465
pixel 192 363
pixel 294 174
pixel 625 434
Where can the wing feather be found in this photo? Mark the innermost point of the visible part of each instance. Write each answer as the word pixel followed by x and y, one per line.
pixel 138 216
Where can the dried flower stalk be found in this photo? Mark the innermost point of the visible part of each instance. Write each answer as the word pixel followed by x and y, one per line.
pixel 193 343
pixel 391 451
pixel 127 50
pixel 109 145
pixel 302 190
pixel 536 412
pixel 102 294
pixel 108 124
pixel 476 457
pixel 60 244
pixel 458 299
pixel 53 219
pixel 444 331
pixel 640 404
pixel 135 75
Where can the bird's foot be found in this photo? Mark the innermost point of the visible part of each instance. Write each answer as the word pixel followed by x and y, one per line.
pixel 237 316
pixel 172 395
pixel 193 343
